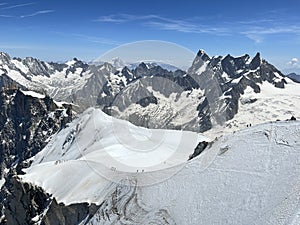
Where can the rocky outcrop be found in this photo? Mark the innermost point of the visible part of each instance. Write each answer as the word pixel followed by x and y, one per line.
pixel 7 82
pixel 199 149
pixel 36 67
pixel 60 214
pixel 22 203
pixel 26 124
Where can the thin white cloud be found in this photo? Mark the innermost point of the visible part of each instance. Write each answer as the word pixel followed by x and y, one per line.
pixel 3 3
pixel 255 37
pixel 6 16
pixel 294 62
pixel 37 13
pixel 293 29
pixel 184 27
pixel 16 47
pixel 256 30
pixel 110 19
pixel 125 18
pixel 19 5
pixel 99 40
pixel 259 33
pixel 162 23
pixel 255 22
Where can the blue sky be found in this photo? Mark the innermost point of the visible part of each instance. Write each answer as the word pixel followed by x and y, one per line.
pixel 60 30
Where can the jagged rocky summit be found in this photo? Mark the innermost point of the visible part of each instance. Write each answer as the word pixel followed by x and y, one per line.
pixel 209 94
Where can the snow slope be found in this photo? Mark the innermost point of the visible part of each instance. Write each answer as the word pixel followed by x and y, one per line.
pixel 270 104
pixel 248 177
pixel 253 180
pixel 97 144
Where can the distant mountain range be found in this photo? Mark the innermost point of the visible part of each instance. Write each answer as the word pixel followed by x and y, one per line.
pixel 295 77
pixel 120 64
pixel 212 92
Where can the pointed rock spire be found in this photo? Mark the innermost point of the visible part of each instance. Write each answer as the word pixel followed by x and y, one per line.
pixel 202 54
pixel 256 61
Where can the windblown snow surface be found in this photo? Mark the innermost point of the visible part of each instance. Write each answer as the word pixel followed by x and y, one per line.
pixel 248 177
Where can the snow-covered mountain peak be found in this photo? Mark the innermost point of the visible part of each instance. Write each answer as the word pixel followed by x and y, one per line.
pixel 210 89
pixel 117 144
pixel 71 62
pixel 108 67
pixel 118 63
pixel 4 58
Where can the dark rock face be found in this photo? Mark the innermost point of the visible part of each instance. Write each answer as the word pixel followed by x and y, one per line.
pixel 7 82
pixel 256 62
pixel 24 203
pixel 203 56
pixel 204 115
pixel 231 65
pixel 20 202
pixel 144 102
pixel 37 67
pixel 68 215
pixel 199 149
pixel 26 123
